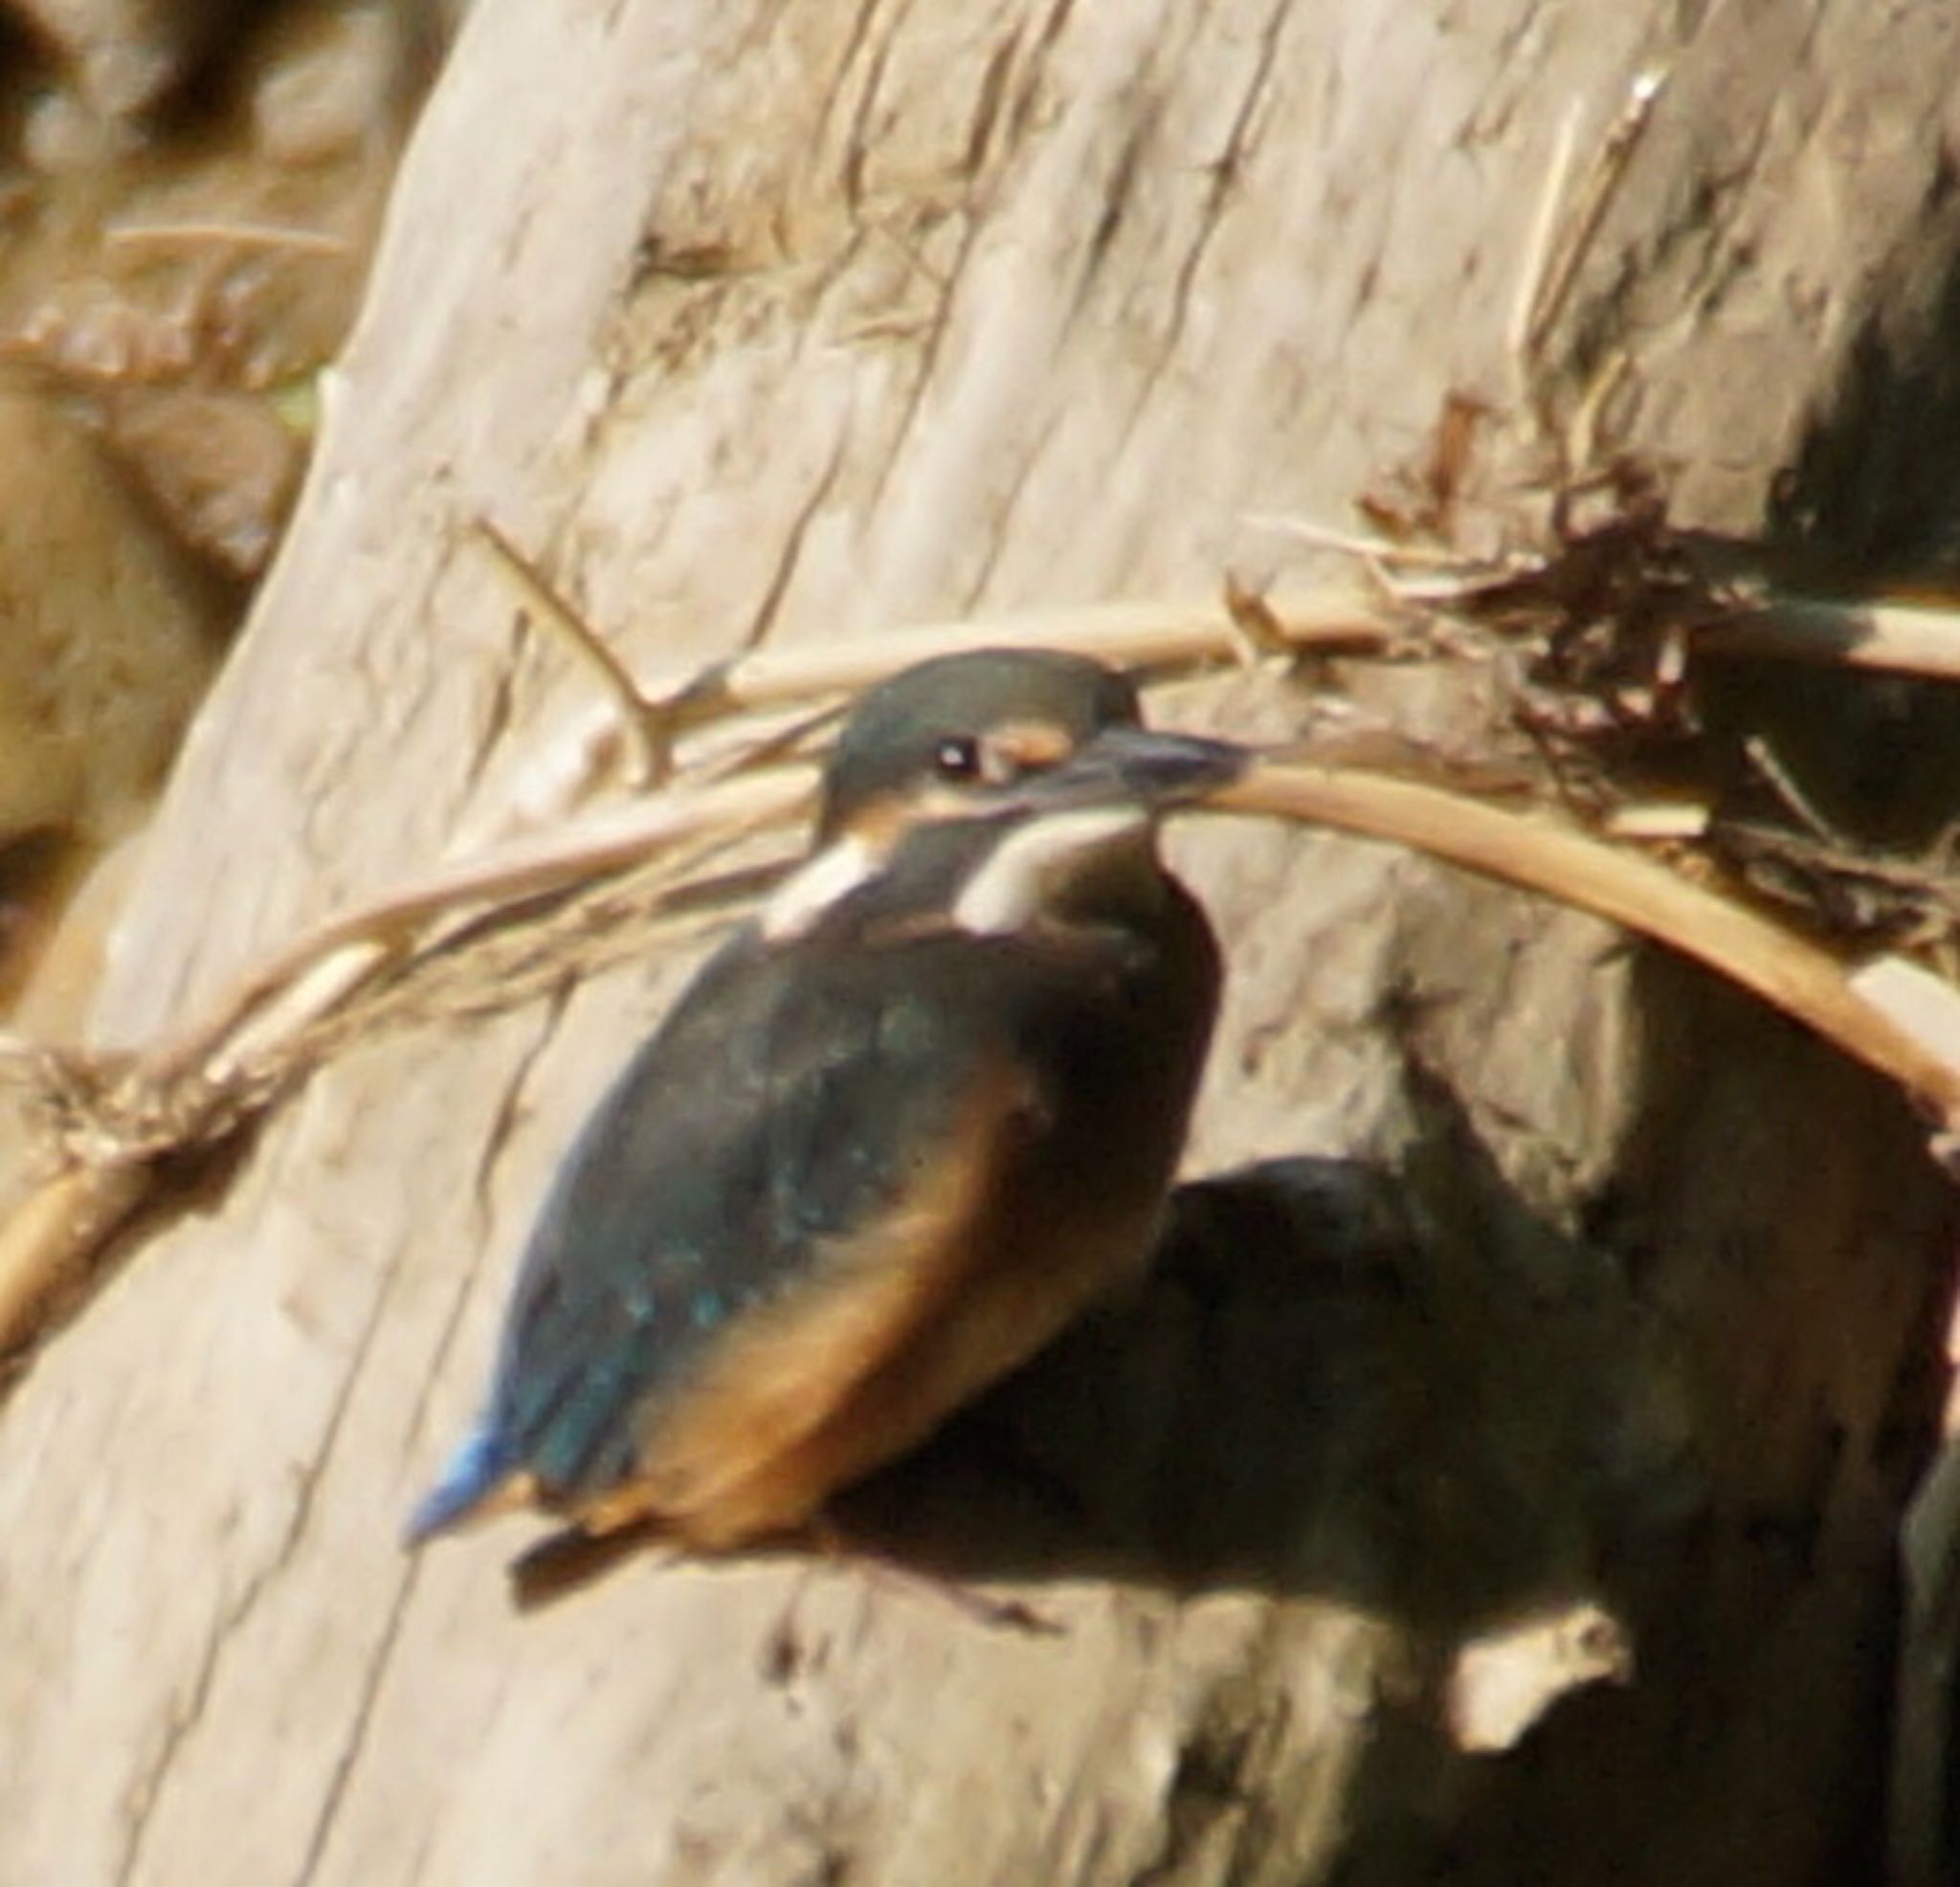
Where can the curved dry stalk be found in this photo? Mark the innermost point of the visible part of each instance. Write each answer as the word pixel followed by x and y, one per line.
pixel 381 933
pixel 647 728
pixel 46 1239
pixel 1145 635
pixel 650 717
pixel 1896 636
pixel 1794 975
pixel 1228 625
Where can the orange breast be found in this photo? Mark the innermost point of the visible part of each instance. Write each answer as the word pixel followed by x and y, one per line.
pixel 896 1331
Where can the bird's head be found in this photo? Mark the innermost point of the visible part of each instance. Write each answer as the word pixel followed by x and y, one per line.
pixel 1027 765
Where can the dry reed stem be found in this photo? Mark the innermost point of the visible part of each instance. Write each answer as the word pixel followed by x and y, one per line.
pixel 1143 634
pixel 50 1236
pixel 273 236
pixel 1796 976
pixel 1898 637
pixel 601 844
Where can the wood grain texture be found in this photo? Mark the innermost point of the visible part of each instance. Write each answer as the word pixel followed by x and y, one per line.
pixel 782 321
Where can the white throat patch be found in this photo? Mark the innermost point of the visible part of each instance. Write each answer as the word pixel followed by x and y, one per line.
pixel 1016 883
pixel 799 902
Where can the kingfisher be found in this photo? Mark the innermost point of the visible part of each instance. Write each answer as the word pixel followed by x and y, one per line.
pixel 909 1120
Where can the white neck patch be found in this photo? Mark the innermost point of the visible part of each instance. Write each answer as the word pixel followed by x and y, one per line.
pixel 799 902
pixel 1014 886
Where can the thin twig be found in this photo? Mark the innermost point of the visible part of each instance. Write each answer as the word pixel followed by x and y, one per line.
pixel 646 727
pixel 1544 232
pixel 1555 285
pixel 234 235
pixel 1783 783
pixel 1364 545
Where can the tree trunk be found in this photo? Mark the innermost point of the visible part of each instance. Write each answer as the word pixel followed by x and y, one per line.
pixel 775 321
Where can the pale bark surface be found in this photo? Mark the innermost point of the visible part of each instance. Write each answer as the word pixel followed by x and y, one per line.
pixel 786 320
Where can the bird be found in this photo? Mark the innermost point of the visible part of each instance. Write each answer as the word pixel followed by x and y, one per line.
pixel 910 1119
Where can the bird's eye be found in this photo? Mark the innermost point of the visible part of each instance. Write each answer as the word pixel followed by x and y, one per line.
pixel 957 758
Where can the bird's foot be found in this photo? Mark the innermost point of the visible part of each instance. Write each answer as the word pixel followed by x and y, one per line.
pixel 997 1614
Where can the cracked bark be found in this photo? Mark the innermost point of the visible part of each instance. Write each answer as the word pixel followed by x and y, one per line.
pixel 1662 1326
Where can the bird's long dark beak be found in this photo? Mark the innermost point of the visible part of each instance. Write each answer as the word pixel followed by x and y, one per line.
pixel 1141 765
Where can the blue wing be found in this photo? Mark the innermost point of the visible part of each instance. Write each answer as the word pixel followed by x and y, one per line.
pixel 798 1099
pixel 790 1101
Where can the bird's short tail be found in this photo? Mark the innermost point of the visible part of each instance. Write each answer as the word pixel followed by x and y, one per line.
pixel 566 1562
pixel 480 1471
